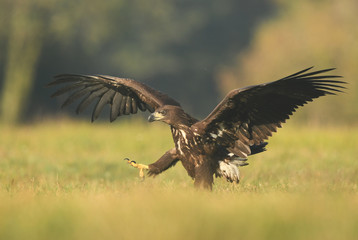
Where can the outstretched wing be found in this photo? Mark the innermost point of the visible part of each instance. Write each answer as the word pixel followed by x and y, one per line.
pixel 248 116
pixel 125 96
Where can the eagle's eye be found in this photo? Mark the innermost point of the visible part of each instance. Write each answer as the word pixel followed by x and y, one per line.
pixel 163 112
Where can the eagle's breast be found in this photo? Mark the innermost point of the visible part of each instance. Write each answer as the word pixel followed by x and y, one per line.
pixel 187 144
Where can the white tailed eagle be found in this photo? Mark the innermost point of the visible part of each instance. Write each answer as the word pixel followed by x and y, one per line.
pixel 218 144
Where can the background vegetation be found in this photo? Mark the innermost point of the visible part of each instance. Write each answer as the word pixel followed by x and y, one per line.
pixel 315 33
pixel 173 45
pixel 194 51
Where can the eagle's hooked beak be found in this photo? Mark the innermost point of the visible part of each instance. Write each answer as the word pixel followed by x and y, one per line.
pixel 155 117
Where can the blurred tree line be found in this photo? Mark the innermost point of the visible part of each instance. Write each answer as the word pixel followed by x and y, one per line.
pixel 304 33
pixel 193 50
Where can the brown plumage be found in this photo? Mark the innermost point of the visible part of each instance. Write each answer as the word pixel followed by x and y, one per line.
pixel 220 143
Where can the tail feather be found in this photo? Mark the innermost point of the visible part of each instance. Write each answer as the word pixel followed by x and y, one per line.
pixel 258 148
pixel 229 167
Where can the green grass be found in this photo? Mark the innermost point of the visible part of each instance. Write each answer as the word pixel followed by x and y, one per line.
pixel 68 180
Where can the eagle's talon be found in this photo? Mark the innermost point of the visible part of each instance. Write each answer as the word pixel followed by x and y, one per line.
pixel 141 167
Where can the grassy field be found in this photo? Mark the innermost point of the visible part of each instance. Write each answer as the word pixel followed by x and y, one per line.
pixel 68 180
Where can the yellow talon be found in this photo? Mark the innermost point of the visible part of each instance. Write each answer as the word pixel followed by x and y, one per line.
pixel 141 167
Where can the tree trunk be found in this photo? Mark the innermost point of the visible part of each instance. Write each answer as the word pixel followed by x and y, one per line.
pixel 23 49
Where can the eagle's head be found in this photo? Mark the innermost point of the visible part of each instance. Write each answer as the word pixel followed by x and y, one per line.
pixel 169 114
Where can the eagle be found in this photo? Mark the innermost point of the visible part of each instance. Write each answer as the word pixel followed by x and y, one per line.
pixel 238 127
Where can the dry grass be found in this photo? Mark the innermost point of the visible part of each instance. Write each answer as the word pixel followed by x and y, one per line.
pixel 67 180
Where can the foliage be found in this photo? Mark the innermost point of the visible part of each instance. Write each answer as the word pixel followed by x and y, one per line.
pixel 67 180
pixel 184 48
pixel 303 34
pixel 159 41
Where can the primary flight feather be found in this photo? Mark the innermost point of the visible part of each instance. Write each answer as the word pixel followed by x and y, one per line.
pixel 220 143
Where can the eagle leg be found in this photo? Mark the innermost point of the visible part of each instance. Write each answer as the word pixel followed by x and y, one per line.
pixel 204 176
pixel 168 160
pixel 141 167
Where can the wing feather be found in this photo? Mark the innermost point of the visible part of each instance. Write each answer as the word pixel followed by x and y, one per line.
pixel 90 98
pixel 122 107
pixel 67 89
pixel 116 103
pixel 105 99
pixel 142 107
pixel 125 96
pixel 80 93
pixel 128 107
pixel 253 113
pixel 134 108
